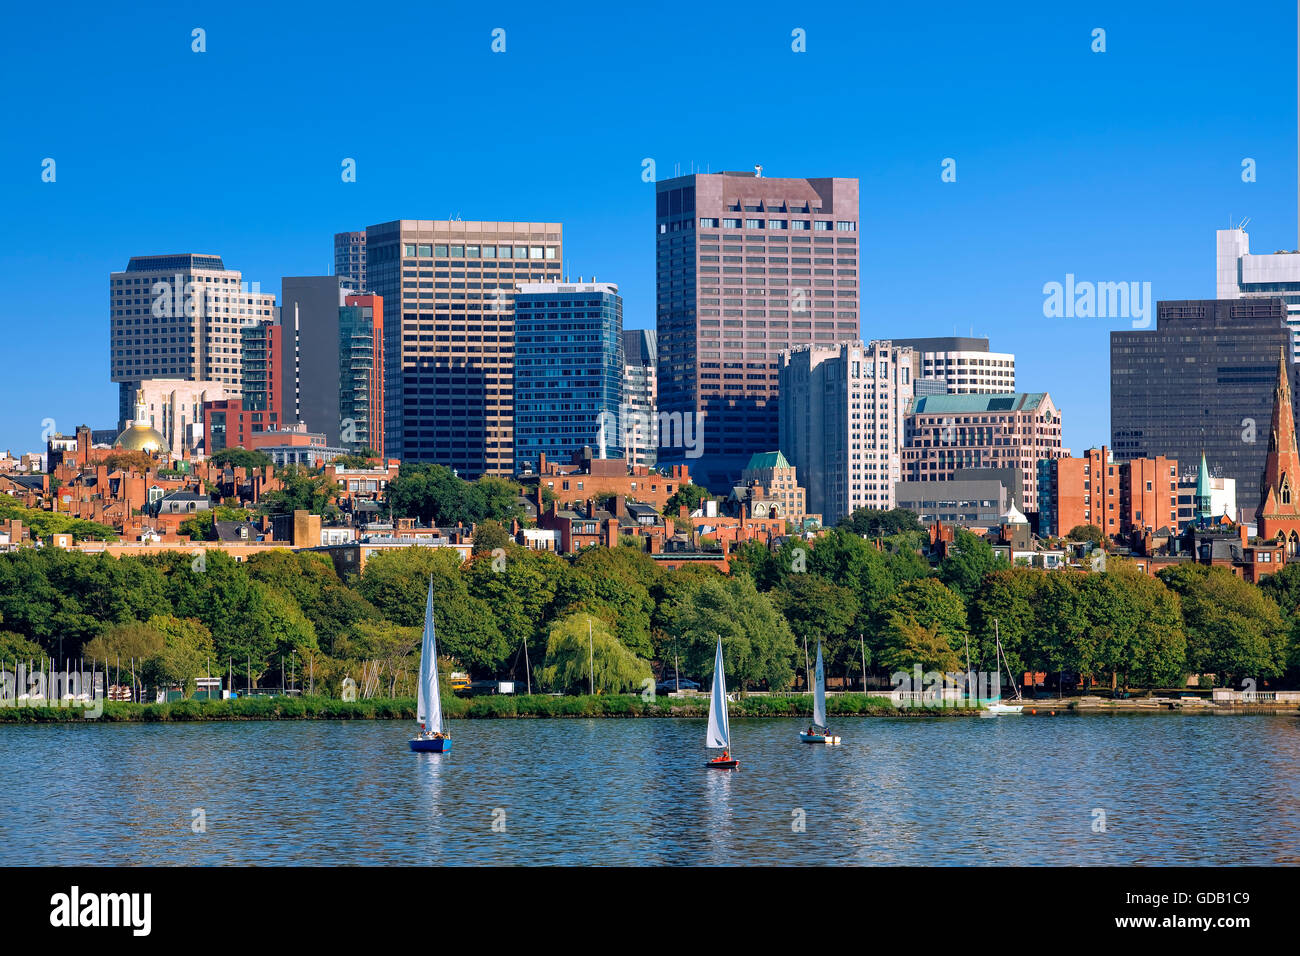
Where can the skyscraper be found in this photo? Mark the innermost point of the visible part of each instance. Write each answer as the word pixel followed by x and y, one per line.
pixel 841 424
pixel 361 373
pixel 350 259
pixel 1202 379
pixel 178 316
pixel 746 267
pixel 639 416
pixel 568 387
pixel 448 289
pixel 309 315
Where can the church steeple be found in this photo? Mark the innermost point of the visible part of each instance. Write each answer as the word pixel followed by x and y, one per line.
pixel 1204 493
pixel 1278 513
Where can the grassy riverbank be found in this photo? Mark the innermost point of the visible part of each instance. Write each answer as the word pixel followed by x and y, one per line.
pixel 523 706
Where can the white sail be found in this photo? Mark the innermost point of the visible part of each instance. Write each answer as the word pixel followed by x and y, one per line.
pixel 429 705
pixel 719 731
pixel 819 691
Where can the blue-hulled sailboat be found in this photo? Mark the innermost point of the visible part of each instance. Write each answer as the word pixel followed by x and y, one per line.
pixel 432 737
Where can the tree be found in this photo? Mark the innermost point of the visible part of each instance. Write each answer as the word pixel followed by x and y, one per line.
pixel 1087 532
pixel 437 497
pixel 818 610
pixel 968 560
pixel 922 615
pixel 690 495
pixel 1234 630
pixel 879 524
pixel 397 581
pixel 302 489
pixel 186 653
pixel 756 640
pixel 489 536
pixel 241 458
pixel 125 642
pixel 125 459
pixel 570 654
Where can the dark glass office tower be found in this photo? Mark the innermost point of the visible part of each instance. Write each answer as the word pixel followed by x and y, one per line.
pixel 1202 379
pixel 746 267
pixel 568 371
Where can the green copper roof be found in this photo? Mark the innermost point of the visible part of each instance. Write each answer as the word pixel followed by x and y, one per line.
pixel 963 404
pixel 767 459
pixel 1203 479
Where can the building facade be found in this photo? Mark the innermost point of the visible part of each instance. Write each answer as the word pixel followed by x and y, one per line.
pixel 1117 497
pixel 640 413
pixel 175 408
pixel 448 289
pixel 1278 514
pixel 1239 274
pixel 179 317
pixel 842 420
pixel 568 370
pixel 948 432
pixel 1201 380
pixel 350 259
pixel 746 267
pixel 770 478
pixel 361 373
pixel 964 365
pixel 310 365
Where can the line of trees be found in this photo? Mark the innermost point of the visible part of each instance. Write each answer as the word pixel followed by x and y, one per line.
pixel 494 617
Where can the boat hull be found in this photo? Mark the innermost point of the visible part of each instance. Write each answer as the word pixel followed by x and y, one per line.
pixel 828 739
pixel 723 764
pixel 1002 710
pixel 431 745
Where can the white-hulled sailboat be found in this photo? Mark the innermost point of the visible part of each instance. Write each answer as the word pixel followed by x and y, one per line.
pixel 428 709
pixel 997 708
pixel 819 733
pixel 719 733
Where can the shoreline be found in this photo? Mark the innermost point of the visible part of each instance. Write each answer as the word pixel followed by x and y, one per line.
pixel 629 706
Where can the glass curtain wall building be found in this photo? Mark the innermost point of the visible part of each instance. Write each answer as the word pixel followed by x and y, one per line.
pixel 568 371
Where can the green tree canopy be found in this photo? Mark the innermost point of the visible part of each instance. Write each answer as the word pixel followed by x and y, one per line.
pixel 570 653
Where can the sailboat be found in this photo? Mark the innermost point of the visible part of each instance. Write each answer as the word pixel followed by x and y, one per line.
pixel 719 733
pixel 997 708
pixel 428 711
pixel 819 733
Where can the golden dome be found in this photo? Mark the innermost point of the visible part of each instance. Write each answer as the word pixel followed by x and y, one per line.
pixel 142 438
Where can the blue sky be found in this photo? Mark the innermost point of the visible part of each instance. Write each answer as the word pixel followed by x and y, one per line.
pixel 1114 166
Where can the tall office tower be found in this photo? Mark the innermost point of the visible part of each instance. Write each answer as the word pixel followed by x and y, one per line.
pixel 178 317
pixel 309 315
pixel 263 387
pixel 568 371
pixel 350 259
pixel 361 373
pixel 1241 275
pixel 842 423
pixel 746 267
pixel 964 365
pixel 1201 380
pixel 448 291
pixel 639 417
pixel 950 432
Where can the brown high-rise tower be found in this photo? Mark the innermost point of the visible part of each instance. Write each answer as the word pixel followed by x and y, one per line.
pixel 1278 513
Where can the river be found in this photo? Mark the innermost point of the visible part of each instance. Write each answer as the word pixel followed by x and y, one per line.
pixel 1116 789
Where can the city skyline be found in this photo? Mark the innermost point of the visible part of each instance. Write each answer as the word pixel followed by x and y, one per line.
pixel 1112 168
